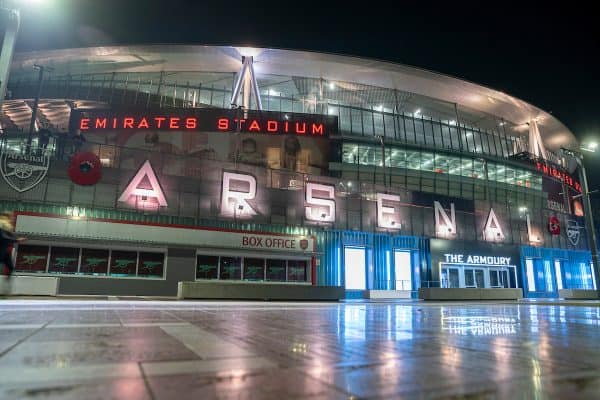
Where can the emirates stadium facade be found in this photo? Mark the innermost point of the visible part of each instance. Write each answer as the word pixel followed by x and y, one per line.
pixel 214 171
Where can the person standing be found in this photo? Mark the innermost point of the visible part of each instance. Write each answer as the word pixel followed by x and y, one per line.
pixel 7 241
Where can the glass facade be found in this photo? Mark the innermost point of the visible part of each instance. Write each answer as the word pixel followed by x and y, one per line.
pixel 440 163
pixel 251 268
pixel 63 260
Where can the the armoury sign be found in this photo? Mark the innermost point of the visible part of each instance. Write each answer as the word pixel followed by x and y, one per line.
pixel 23 170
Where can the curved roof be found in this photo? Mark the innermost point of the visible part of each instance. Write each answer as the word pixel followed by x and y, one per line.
pixel 153 58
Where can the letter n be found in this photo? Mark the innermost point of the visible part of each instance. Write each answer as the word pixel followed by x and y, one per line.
pixel 444 225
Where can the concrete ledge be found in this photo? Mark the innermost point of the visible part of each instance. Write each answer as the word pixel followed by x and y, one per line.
pixel 257 291
pixel 580 294
pixel 387 294
pixel 33 285
pixel 469 294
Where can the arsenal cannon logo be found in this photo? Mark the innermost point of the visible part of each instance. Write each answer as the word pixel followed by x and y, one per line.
pixel 23 171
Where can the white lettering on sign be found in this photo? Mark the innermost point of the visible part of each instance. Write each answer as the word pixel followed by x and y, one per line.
pixel 143 194
pixel 386 217
pixel 492 231
pixel 234 203
pixel 444 225
pixel 320 209
pixel 268 243
pixel 479 260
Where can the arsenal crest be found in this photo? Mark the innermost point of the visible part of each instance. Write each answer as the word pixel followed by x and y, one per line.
pixel 573 232
pixel 554 225
pixel 23 171
pixel 304 244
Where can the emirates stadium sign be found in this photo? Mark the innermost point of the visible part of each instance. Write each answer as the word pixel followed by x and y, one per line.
pixel 205 120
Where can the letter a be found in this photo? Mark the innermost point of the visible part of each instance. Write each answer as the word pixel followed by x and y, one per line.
pixel 492 230
pixel 132 189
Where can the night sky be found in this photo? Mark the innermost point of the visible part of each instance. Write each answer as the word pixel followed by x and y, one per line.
pixel 545 55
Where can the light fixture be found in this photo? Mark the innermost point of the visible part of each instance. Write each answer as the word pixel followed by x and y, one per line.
pixel 331 86
pixel 591 147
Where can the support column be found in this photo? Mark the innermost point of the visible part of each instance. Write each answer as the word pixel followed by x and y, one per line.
pixel 13 20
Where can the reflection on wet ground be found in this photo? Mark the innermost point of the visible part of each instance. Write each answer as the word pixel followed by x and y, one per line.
pixel 200 350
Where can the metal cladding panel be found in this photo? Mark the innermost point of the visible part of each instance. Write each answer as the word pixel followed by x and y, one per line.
pixel 379 246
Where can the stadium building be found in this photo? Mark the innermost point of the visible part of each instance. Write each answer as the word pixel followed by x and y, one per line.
pixel 214 171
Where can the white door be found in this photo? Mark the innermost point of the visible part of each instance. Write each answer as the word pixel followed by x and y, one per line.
pixel 355 268
pixel 402 270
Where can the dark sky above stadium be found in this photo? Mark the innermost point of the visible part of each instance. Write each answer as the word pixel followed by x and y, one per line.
pixel 544 54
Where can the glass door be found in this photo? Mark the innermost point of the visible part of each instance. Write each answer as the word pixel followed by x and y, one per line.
pixel 450 277
pixel 402 270
pixel 355 268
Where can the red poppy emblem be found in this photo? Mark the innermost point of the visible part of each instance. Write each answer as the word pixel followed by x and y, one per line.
pixel 85 169
pixel 554 225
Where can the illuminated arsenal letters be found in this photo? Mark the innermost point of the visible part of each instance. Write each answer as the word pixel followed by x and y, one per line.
pixel 237 189
pixel 386 217
pixel 492 231
pixel 321 203
pixel 138 195
pixel 240 199
pixel 445 225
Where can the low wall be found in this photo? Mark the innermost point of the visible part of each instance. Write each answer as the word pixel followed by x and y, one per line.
pixel 387 294
pixel 257 291
pixel 469 294
pixel 32 285
pixel 578 294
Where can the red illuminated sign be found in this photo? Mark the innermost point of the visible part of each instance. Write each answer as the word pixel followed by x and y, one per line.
pixel 205 120
pixel 558 174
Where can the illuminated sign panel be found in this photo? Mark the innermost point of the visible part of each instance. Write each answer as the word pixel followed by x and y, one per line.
pixel 558 174
pixel 320 202
pixel 386 217
pixel 205 120
pixel 153 191
pixel 475 259
pixel 234 197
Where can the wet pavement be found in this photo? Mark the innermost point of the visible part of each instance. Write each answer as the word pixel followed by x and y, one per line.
pixel 122 349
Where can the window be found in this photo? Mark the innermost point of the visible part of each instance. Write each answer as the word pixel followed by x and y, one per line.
pixel 151 264
pixel 530 275
pixel 557 271
pixel 207 267
pixel 276 270
pixel 231 267
pixel 297 271
pixel 494 281
pixel 64 260
pixel 123 263
pixel 254 269
pixel 31 258
pixel 94 262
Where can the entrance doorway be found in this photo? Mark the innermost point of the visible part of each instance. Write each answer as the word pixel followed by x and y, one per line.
pixel 402 270
pixel 475 276
pixel 355 268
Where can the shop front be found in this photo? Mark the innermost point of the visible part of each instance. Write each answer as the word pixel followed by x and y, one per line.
pixel 111 257
pixel 458 266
